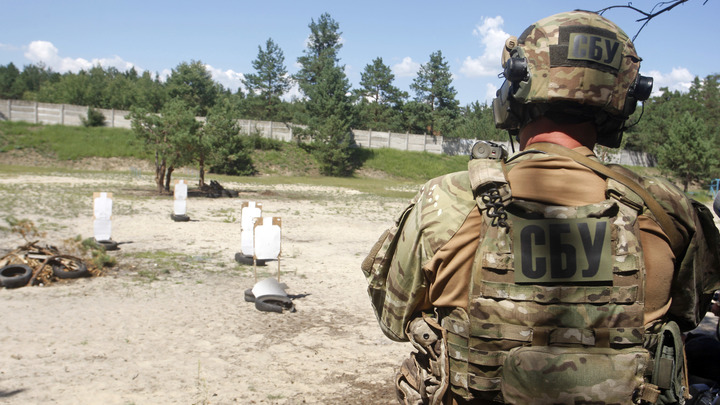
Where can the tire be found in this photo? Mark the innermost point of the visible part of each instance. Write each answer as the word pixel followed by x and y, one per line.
pixel 61 270
pixel 247 260
pixel 15 275
pixel 107 244
pixel 266 304
pixel 179 218
pixel 249 296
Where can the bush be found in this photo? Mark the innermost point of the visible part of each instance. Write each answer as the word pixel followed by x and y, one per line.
pixel 233 157
pixel 94 119
pixel 258 142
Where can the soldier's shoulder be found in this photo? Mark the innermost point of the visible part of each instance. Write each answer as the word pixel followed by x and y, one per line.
pixel 453 186
pixel 664 191
pixel 445 200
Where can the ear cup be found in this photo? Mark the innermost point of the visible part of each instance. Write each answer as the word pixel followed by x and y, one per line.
pixel 610 131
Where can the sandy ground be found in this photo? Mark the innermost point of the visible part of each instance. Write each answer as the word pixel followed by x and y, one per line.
pixel 169 325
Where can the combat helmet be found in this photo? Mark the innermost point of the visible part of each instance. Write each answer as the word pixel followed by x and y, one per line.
pixel 575 64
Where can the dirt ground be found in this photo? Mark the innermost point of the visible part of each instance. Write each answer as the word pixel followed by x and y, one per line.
pixel 169 324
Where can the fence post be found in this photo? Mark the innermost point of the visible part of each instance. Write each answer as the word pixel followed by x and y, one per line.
pixel 36 112
pixel 9 110
pixel 62 114
pixel 112 118
pixel 407 141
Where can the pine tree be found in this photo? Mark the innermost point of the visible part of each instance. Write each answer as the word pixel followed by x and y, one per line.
pixel 323 43
pixel 8 75
pixel 269 83
pixel 192 83
pixel 171 135
pixel 689 151
pixel 325 86
pixel 380 102
pixel 433 87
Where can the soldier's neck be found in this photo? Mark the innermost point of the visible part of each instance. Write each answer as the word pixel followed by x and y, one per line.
pixel 567 135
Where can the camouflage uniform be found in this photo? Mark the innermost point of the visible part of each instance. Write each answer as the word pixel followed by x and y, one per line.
pixel 573 323
pixel 555 309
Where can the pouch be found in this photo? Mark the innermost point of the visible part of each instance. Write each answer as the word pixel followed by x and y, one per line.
pixel 569 375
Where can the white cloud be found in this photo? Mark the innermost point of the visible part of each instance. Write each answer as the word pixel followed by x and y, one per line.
pixel 490 92
pixel 294 93
pixel 406 68
pixel 679 79
pixel 42 51
pixel 164 74
pixel 45 52
pixel 492 40
pixel 230 79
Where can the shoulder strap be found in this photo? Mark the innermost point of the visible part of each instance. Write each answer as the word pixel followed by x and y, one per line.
pixel 658 211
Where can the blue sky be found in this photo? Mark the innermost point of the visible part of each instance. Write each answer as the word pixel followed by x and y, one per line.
pixel 156 36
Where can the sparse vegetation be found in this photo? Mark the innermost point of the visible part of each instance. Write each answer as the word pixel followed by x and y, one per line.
pixel 269 157
pixel 384 172
pixel 70 143
pixel 25 228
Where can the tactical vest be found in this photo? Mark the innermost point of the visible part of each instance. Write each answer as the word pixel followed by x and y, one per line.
pixel 556 304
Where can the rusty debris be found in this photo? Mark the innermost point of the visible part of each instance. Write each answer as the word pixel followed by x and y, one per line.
pixel 212 190
pixel 47 265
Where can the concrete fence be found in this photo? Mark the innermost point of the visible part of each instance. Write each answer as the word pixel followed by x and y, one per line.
pixel 410 142
pixel 62 114
pixel 67 114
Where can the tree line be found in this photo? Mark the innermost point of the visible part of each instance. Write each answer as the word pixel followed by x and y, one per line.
pixel 680 129
pixel 376 104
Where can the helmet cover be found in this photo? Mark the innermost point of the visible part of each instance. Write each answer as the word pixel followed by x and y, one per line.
pixel 578 57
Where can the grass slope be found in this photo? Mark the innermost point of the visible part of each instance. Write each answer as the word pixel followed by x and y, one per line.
pixel 387 172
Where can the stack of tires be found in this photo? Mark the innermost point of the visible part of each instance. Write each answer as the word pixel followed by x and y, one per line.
pixel 19 275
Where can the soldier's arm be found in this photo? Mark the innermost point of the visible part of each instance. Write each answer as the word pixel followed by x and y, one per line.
pixel 398 285
pixel 697 269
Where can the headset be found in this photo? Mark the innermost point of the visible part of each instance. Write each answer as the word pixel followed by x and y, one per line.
pixel 510 115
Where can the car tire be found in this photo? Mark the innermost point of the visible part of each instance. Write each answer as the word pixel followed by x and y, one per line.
pixel 265 304
pixel 249 296
pixel 107 244
pixel 61 270
pixel 15 275
pixel 247 260
pixel 180 218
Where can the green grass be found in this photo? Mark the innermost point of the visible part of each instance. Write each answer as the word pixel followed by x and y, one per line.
pixel 71 143
pixel 416 166
pixel 284 163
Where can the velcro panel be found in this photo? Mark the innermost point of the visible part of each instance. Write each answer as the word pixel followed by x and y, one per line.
pixel 565 294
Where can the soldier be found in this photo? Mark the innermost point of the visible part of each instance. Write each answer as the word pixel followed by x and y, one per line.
pixel 548 277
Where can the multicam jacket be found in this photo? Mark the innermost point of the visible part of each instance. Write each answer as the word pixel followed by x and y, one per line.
pixel 491 333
